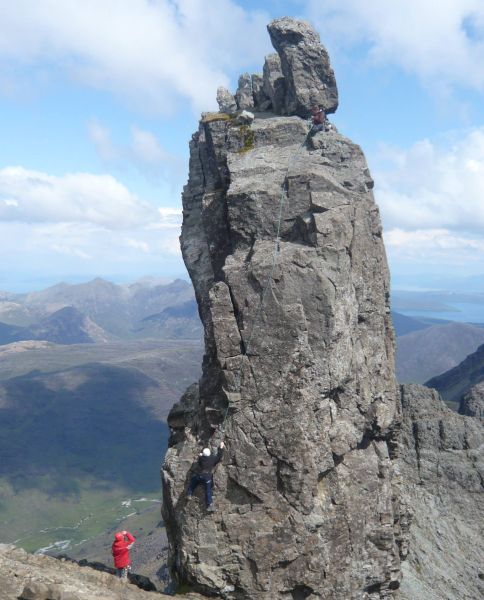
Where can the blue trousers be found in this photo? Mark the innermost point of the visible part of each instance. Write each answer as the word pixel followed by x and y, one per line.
pixel 207 481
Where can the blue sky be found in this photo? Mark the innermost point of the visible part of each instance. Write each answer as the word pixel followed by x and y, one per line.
pixel 98 100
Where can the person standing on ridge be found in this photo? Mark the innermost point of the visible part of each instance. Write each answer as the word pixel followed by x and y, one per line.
pixel 206 464
pixel 123 542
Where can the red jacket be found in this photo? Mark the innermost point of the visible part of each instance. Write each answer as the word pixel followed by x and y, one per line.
pixel 120 550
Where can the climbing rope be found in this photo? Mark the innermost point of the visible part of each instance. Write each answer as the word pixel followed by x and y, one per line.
pixel 268 283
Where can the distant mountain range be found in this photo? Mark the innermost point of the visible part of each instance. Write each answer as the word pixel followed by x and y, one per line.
pixel 426 352
pixel 101 311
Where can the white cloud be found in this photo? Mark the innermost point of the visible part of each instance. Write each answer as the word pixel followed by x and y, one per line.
pixel 432 186
pixel 139 245
pixel 443 43
pixel 34 196
pixel 84 224
pixel 101 138
pixel 143 151
pixel 150 53
pixel 432 203
pixel 146 147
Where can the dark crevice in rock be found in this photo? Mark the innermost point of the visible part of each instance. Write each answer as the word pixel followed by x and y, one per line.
pixel 301 592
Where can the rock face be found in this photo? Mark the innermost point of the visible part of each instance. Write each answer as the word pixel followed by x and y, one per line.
pixel 456 382
pixel 305 65
pixel 226 101
pixel 244 95
pixel 298 373
pixel 274 83
pixel 441 468
pixel 472 403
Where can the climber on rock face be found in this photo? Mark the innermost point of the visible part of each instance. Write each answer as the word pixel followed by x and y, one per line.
pixel 318 119
pixel 205 465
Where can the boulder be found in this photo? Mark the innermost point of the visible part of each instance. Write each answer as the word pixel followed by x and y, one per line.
pixel 273 83
pixel 226 100
pixel 261 100
pixel 244 118
pixel 243 95
pixel 308 76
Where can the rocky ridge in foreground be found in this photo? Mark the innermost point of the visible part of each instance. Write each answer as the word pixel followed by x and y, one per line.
pixel 35 577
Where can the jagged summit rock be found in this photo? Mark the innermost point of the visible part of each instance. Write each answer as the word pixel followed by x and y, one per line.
pixel 293 80
pixel 309 78
pixel 304 504
pixel 226 100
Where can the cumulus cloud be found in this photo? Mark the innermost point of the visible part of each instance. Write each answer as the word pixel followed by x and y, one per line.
pixel 143 151
pixel 441 43
pixel 431 199
pixel 150 53
pixel 34 196
pixel 433 185
pixel 92 223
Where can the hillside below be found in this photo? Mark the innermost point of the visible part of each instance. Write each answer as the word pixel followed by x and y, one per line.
pixel 81 433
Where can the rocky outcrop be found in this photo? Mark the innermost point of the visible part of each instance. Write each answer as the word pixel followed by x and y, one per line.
pixel 274 84
pixel 472 403
pixel 298 373
pixel 244 95
pixel 456 382
pixel 293 80
pixel 25 576
pixel 441 470
pixel 226 101
pixel 309 78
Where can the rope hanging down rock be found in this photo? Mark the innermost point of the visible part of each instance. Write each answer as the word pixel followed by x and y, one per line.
pixel 268 283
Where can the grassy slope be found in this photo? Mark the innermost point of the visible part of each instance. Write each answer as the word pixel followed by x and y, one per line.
pixel 81 430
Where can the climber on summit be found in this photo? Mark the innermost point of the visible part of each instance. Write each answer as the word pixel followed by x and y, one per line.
pixel 206 464
pixel 123 542
pixel 318 119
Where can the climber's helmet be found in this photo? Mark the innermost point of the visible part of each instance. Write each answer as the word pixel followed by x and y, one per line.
pixel 119 537
pixel 206 452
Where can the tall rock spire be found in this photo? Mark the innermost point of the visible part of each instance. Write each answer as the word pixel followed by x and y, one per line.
pixel 304 506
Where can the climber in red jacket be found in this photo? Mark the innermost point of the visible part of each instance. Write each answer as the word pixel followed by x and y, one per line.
pixel 123 542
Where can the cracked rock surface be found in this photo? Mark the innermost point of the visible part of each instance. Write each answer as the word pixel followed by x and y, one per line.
pixel 304 504
pixel 442 472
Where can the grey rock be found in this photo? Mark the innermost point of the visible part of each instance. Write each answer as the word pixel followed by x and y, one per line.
pixel 309 78
pixel 441 472
pixel 304 500
pixel 35 591
pixel 273 83
pixel 472 403
pixel 244 95
pixel 261 100
pixel 244 118
pixel 226 100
